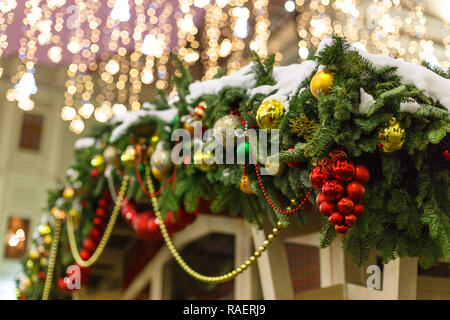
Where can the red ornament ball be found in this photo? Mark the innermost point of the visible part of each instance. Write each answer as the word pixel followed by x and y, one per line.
pixel 320 198
pixel 358 210
pixel 345 205
pixel 101 213
pixel 343 170
pixel 362 174
pixel 350 220
pixel 355 191
pixel 336 219
pixel 84 254
pixel 89 245
pixel 98 222
pixel 42 275
pixel 446 155
pixel 95 234
pixel 326 208
pixel 341 229
pixel 332 190
pixel 94 173
pixel 318 177
pixel 103 203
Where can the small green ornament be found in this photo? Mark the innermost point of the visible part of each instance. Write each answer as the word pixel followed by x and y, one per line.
pixel 243 150
pixel 175 120
pixel 141 167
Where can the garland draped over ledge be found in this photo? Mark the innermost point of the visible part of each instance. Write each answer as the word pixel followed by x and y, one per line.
pixel 365 135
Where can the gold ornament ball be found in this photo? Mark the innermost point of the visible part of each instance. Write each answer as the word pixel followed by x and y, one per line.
pixel 57 213
pixel 160 163
pixel 30 264
pixel 392 136
pixel 34 254
pixel 321 82
pixel 48 239
pixel 109 154
pixel 203 160
pixel 97 161
pixel 68 193
pixel 127 157
pixel 224 130
pixel 44 262
pixel 245 185
pixel 27 282
pixel 274 167
pixel 269 114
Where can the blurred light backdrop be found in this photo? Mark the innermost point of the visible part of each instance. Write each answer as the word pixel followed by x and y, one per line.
pixel 116 51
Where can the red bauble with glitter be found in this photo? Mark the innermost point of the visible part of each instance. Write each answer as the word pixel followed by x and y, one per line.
pixel 350 220
pixel 345 205
pixel 318 177
pixel 355 191
pixel 343 170
pixel 332 190
pixel 341 228
pixel 358 210
pixel 326 208
pixel 336 219
pixel 320 198
pixel 362 174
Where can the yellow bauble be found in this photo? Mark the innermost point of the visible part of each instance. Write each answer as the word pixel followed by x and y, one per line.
pixel 203 160
pixel 97 161
pixel 34 254
pixel 34 278
pixel 127 157
pixel 245 185
pixel 274 168
pixel 269 114
pixel 48 239
pixel 27 282
pixel 30 264
pixel 153 142
pixel 68 193
pixel 157 174
pixel 392 136
pixel 321 82
pixel 44 229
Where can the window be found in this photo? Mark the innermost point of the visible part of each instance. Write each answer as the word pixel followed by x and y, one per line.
pixel 30 137
pixel 15 241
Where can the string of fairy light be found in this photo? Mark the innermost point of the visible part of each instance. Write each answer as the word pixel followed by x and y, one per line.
pixel 114 59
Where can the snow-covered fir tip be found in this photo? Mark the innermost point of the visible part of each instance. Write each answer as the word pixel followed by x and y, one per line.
pixel 83 143
pixel 366 101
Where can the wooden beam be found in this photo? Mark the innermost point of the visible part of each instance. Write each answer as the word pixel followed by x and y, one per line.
pixel 273 268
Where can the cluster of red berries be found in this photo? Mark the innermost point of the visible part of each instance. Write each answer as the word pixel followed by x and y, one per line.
pixel 146 224
pixel 342 191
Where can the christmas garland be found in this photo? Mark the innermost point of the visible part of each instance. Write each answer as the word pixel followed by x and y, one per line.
pixel 367 135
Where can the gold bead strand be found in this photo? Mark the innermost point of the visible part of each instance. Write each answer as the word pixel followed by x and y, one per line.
pixel 209 279
pixel 52 260
pixel 106 234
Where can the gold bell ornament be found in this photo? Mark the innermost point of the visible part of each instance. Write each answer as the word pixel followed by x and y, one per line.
pixel 225 130
pixel 269 114
pixel 321 82
pixel 245 185
pixel 392 136
pixel 127 157
pixel 160 161
pixel 204 161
